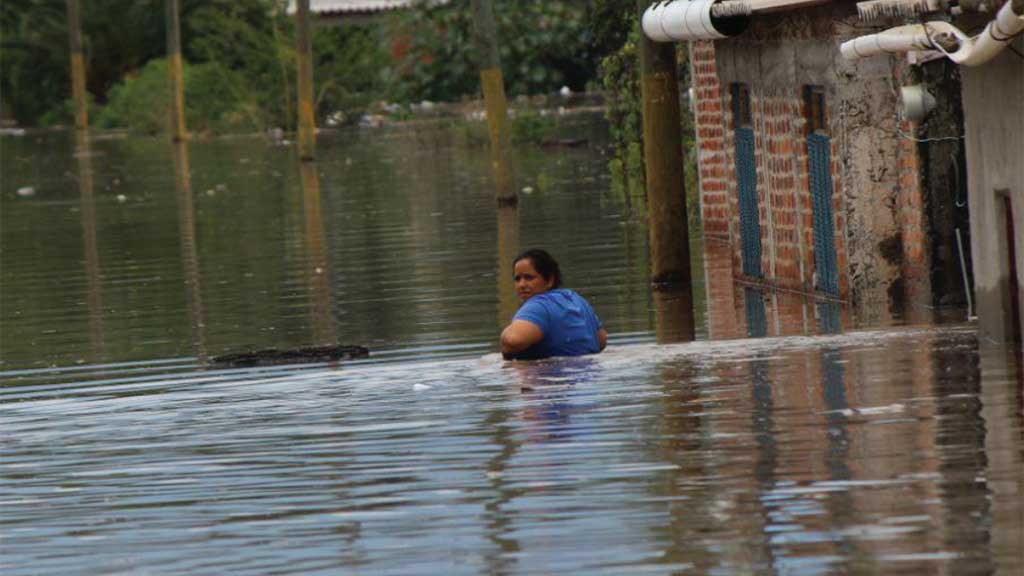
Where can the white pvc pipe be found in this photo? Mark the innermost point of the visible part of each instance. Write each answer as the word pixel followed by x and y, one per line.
pixel 651 23
pixel 999 32
pixel 898 40
pixel 969 52
pixel 687 20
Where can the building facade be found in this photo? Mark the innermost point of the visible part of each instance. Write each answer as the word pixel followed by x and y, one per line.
pixel 809 171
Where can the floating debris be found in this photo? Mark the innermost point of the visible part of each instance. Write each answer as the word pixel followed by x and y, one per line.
pixel 271 357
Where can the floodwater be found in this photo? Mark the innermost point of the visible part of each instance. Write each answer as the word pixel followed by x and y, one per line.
pixel 788 439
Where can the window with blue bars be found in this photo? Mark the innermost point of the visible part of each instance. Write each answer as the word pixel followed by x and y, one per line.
pixel 819 158
pixel 746 181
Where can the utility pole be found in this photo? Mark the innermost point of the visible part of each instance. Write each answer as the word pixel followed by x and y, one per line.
pixel 77 66
pixel 177 74
pixel 304 48
pixel 663 160
pixel 485 37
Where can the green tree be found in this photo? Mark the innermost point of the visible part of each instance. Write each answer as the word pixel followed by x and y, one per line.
pixel 544 45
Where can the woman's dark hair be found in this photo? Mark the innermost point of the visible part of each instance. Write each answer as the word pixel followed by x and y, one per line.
pixel 544 264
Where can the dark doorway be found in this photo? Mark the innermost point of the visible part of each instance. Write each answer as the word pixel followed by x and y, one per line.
pixel 1011 252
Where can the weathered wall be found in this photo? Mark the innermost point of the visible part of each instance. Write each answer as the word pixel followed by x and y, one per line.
pixel 881 236
pixel 993 100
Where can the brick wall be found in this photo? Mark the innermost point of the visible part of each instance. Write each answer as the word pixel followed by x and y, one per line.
pixel 878 206
pixel 783 184
pixel 714 173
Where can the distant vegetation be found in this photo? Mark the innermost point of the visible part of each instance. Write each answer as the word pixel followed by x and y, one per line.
pixel 240 60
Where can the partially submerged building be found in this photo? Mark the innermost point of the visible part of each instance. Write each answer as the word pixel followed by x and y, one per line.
pixel 834 161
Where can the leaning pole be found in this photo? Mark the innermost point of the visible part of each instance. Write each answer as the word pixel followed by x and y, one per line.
pixel 304 49
pixel 663 161
pixel 485 37
pixel 77 66
pixel 177 73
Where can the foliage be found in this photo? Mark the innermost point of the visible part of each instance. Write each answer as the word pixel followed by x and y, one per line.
pixel 532 128
pixel 140 102
pixel 63 114
pixel 217 101
pixel 118 37
pixel 253 39
pixel 34 58
pixel 620 77
pixel 349 69
pixel 543 45
pixel 616 38
pixel 250 43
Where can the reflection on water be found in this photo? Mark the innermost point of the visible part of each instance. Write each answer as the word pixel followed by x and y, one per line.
pixel 87 208
pixel 318 275
pixel 811 448
pixel 884 452
pixel 189 254
pixel 674 319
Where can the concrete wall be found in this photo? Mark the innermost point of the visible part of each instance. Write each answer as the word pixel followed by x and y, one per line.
pixel 880 226
pixel 993 101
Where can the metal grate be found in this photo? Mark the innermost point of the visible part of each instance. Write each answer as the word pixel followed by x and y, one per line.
pixel 757 321
pixel 750 224
pixel 818 151
pixel 828 318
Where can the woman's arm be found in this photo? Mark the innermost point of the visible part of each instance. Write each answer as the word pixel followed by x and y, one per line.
pixel 518 336
pixel 602 337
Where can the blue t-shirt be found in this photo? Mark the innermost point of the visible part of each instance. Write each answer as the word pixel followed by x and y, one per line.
pixel 568 322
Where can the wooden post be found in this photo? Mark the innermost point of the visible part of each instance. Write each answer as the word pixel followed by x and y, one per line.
pixel 485 38
pixel 673 315
pixel 77 66
pixel 304 49
pixel 177 74
pixel 663 161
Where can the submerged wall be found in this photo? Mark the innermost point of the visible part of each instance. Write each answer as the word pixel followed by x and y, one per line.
pixel 993 101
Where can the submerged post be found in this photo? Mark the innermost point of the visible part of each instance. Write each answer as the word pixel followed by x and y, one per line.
pixel 77 66
pixel 485 37
pixel 304 49
pixel 663 161
pixel 176 71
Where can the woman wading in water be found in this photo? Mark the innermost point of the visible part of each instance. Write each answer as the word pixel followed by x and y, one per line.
pixel 551 321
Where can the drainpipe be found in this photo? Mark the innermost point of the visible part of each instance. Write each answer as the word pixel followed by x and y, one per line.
pixel 944 37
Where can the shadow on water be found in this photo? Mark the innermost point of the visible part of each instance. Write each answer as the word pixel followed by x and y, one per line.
pixel 750 430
